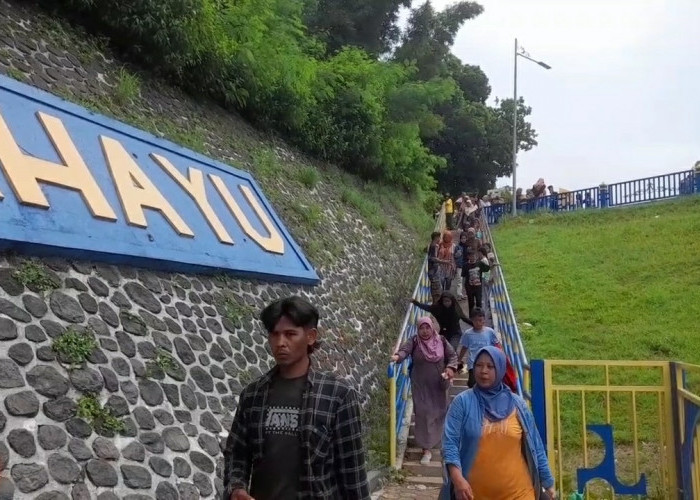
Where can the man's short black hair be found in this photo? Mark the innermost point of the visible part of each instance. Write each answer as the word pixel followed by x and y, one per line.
pixel 434 235
pixel 477 312
pixel 299 311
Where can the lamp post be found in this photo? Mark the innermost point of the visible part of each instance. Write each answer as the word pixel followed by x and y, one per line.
pixel 525 55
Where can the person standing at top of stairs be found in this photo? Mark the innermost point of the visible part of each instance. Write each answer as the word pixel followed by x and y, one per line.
pixel 449 211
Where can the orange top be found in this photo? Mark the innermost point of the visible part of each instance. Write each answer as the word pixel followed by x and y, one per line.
pixel 500 471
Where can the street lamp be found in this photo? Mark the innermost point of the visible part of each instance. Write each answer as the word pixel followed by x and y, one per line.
pixel 524 55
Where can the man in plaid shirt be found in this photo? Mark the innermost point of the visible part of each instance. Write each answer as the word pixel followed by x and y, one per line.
pixel 297 431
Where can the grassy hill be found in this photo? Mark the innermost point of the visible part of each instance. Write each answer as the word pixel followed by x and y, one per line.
pixel 615 284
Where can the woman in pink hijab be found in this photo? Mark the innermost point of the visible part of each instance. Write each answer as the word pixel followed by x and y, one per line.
pixel 434 366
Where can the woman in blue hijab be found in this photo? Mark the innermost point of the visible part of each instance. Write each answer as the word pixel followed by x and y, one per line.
pixel 491 447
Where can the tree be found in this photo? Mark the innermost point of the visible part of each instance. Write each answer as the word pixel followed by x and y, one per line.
pixel 368 24
pixel 417 102
pixel 527 136
pixel 477 144
pixel 471 80
pixel 429 37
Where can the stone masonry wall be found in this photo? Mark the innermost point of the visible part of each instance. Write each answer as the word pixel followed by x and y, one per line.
pixel 173 351
pixel 175 419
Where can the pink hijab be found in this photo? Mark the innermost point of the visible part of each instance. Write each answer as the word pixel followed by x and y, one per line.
pixel 432 348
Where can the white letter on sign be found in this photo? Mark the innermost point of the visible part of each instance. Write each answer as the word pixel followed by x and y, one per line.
pixel 25 172
pixel 194 187
pixel 136 190
pixel 273 243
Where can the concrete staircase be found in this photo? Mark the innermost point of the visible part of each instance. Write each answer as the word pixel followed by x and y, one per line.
pixel 430 474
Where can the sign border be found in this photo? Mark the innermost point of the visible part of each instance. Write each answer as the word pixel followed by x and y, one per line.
pixel 305 276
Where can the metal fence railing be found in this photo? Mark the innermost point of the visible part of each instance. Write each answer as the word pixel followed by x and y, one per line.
pixel 659 187
pixel 398 373
pixel 608 427
pixel 504 321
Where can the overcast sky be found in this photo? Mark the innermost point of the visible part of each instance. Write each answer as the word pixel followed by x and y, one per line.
pixel 622 100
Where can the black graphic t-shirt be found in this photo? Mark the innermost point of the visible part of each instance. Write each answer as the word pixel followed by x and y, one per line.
pixel 276 476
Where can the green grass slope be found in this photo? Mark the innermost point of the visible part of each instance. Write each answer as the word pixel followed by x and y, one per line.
pixel 615 284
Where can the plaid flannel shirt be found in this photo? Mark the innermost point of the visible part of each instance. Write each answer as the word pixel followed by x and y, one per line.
pixel 333 459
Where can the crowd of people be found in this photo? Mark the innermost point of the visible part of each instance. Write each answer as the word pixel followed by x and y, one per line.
pixel 297 431
pixel 487 426
pixel 466 264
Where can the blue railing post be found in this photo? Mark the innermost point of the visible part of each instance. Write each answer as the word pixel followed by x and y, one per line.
pixel 603 196
pixel 554 202
pixel 697 177
pixel 676 409
pixel 539 397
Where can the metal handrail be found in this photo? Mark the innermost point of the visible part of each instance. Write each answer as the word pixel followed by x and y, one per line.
pixel 508 326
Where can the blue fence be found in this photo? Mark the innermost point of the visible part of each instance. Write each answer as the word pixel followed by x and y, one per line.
pixel 660 187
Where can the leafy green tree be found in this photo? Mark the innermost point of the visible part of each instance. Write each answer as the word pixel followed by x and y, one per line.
pixel 429 36
pixel 527 136
pixel 477 144
pixel 368 24
pixel 471 80
pixel 315 71
pixel 417 102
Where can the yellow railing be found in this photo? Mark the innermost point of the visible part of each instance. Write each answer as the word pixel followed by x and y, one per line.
pixel 611 422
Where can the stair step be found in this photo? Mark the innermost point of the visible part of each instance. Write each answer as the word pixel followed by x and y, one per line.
pixel 414 454
pixel 426 480
pixel 455 390
pixel 433 469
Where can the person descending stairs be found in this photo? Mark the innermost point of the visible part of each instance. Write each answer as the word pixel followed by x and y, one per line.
pixel 428 472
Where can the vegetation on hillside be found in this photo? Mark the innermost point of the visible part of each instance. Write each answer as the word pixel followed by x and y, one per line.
pixel 606 284
pixel 337 78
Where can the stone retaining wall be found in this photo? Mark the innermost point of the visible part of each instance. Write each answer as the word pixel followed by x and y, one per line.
pixel 173 351
pixel 175 417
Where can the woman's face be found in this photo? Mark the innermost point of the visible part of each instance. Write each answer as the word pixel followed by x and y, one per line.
pixel 447 302
pixel 485 371
pixel 425 331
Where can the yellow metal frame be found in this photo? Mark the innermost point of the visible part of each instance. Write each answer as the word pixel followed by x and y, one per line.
pixel 392 421
pixel 665 412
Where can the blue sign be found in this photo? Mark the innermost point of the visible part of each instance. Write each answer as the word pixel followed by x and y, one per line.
pixel 80 185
